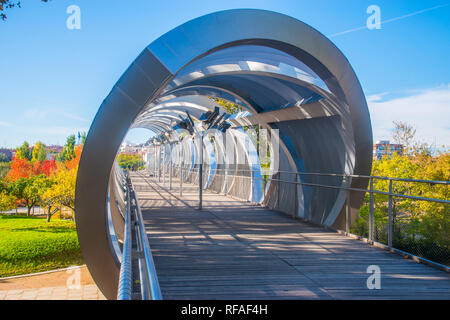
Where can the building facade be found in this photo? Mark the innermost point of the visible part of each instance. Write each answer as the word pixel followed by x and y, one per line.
pixel 384 148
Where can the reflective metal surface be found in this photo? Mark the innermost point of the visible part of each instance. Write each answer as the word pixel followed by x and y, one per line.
pixel 284 75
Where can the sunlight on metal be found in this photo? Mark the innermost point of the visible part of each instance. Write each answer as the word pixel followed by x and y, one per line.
pixel 287 81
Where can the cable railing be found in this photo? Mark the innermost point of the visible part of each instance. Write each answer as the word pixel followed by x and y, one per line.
pixel 137 278
pixel 390 228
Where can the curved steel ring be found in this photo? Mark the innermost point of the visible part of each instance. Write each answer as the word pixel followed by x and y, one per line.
pixel 152 71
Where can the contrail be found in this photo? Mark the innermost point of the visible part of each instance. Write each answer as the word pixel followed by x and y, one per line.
pixel 390 20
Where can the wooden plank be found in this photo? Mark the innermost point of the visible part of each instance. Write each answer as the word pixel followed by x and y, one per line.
pixel 236 250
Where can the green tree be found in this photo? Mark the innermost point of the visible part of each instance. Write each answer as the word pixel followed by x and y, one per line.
pixel 420 227
pixel 61 192
pixel 39 152
pixel 229 106
pixel 24 152
pixel 30 190
pixel 83 138
pixel 8 4
pixel 68 152
pixel 130 161
pixel 7 201
pixel 4 169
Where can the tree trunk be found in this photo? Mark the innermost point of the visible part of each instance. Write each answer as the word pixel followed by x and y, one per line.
pixel 28 211
pixel 48 213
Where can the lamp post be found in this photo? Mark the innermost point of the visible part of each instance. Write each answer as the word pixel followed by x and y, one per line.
pixel 181 165
pixel 213 121
pixel 168 136
pixel 157 141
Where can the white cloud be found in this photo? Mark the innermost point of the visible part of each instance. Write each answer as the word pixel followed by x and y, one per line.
pixel 427 110
pixel 5 124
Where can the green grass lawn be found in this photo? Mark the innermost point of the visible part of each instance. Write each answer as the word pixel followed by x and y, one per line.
pixel 30 244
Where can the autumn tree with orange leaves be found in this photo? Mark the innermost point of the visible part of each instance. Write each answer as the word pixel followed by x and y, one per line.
pixel 48 183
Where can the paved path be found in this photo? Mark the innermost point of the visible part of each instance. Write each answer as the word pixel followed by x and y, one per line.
pixel 55 285
pixel 235 250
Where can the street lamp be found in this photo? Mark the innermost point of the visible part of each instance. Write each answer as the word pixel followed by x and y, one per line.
pixel 212 120
pixel 168 135
pixel 157 142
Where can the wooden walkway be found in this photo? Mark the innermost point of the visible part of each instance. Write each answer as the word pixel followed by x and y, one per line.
pixel 235 250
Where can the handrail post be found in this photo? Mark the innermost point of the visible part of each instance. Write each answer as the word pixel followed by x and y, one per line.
pixel 181 179
pixel 278 189
pixel 347 213
pixel 200 175
pixel 371 207
pixel 348 208
pixel 159 165
pixel 164 169
pixel 296 196
pixel 170 168
pixel 390 215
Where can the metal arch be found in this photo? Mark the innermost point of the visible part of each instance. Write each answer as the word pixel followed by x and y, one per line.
pixel 155 68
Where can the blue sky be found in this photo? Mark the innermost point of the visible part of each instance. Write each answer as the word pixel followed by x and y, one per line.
pixel 53 79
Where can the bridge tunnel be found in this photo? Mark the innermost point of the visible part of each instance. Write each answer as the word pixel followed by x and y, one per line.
pixel 283 80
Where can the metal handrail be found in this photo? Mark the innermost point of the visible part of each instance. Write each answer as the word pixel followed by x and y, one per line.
pixel 125 289
pixel 147 273
pixel 350 188
pixel 151 283
pixel 347 175
pixel 347 180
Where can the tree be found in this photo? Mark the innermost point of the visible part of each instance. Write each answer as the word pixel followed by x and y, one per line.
pixel 23 152
pixel 418 225
pixel 39 152
pixel 132 161
pixel 229 106
pixel 62 191
pixel 7 201
pixel 68 152
pixel 29 190
pixel 49 199
pixel 73 163
pixel 4 169
pixel 405 134
pixel 20 168
pixel 8 4
pixel 83 138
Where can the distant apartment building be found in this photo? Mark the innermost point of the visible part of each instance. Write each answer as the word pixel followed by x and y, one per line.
pixel 54 149
pixel 384 148
pixel 9 154
pixel 128 148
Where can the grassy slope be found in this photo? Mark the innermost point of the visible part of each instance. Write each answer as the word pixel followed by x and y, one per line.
pixel 30 244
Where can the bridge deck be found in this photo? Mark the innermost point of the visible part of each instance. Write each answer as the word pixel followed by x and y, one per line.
pixel 235 250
